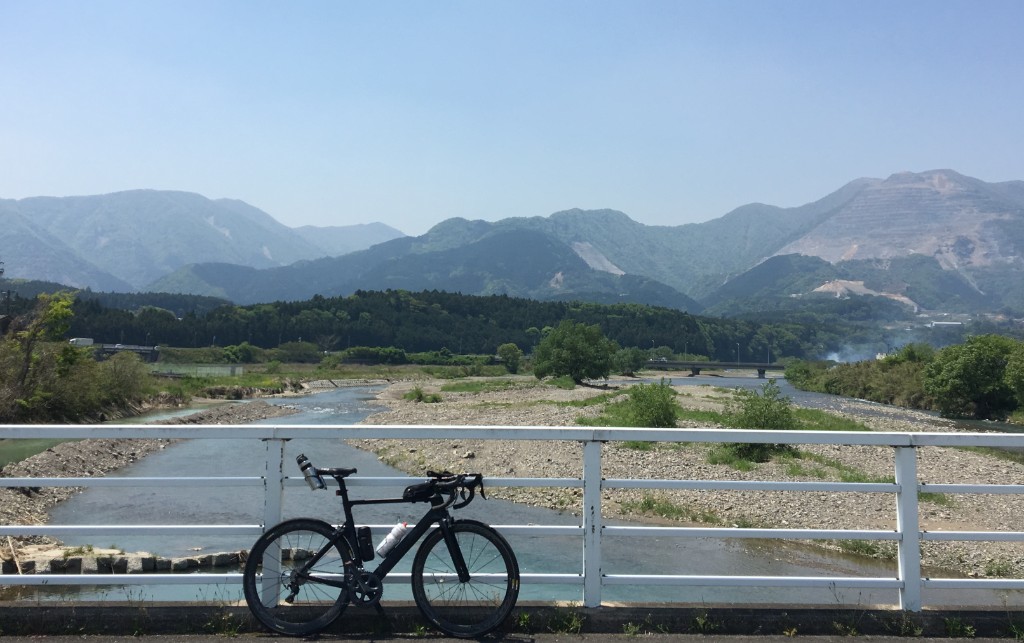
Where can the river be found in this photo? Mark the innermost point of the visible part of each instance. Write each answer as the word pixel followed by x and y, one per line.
pixel 149 505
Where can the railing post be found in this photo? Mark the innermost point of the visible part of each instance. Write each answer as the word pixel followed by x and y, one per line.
pixel 592 524
pixel 273 500
pixel 908 527
pixel 273 483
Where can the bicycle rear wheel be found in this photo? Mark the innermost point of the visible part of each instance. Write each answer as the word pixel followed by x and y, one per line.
pixel 286 575
pixel 482 603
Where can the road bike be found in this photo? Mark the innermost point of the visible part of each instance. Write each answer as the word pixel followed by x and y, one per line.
pixel 301 574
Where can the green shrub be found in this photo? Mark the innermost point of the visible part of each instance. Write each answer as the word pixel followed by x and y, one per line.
pixel 652 405
pixel 768 410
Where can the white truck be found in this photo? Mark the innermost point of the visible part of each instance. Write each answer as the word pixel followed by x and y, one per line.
pixel 81 341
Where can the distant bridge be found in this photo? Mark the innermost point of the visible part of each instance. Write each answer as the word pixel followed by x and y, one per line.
pixel 146 353
pixel 697 367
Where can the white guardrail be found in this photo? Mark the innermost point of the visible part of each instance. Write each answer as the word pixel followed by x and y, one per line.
pixel 908 581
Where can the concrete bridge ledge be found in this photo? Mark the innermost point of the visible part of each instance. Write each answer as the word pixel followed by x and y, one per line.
pixel 140 618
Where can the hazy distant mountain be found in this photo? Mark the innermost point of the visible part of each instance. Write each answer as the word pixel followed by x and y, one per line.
pixel 935 240
pixel 340 240
pixel 29 251
pixel 128 239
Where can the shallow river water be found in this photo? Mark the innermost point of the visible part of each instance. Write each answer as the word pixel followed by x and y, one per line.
pixel 149 505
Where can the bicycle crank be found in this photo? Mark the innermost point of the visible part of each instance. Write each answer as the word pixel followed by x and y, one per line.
pixel 367 590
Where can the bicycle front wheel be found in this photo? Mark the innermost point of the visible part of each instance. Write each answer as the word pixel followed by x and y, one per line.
pixel 294 577
pixel 478 605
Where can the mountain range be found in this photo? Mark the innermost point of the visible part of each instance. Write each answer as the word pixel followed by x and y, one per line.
pixel 935 240
pixel 126 240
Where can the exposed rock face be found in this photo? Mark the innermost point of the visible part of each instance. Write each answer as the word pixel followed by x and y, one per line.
pixel 956 219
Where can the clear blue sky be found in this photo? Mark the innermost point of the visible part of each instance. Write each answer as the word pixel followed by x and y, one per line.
pixel 327 112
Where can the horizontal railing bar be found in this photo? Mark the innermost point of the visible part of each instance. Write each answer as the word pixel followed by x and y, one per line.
pixel 994 536
pixel 245 530
pixel 753 581
pixel 219 481
pixel 973 583
pixel 580 434
pixel 973 488
pixel 740 532
pixel 229 578
pixel 133 530
pixel 122 579
pixel 242 481
pixel 740 485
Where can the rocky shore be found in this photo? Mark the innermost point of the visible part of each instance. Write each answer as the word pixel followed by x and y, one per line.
pixel 528 404
pixel 92 458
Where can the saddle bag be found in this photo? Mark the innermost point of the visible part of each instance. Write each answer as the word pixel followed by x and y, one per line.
pixel 421 492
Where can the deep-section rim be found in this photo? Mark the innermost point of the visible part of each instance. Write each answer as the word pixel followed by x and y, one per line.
pixel 250 580
pixel 474 559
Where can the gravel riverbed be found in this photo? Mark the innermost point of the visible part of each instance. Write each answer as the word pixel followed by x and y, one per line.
pixel 527 403
pixel 530 405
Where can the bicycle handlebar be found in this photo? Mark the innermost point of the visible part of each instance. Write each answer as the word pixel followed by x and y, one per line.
pixel 461 486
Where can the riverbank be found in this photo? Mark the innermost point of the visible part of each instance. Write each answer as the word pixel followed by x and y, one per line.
pixel 526 403
pixel 96 458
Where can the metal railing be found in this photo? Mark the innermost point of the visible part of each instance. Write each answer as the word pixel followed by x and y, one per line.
pixel 593 530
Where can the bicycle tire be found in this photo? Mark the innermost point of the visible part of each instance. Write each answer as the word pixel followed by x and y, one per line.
pixel 478 606
pixel 313 605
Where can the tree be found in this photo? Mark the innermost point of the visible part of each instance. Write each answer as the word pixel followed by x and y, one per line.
pixel 510 356
pixel 1014 375
pixel 629 360
pixel 969 379
pixel 574 349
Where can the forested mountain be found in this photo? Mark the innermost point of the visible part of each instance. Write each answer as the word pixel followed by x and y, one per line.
pixel 515 262
pixel 124 241
pixel 934 241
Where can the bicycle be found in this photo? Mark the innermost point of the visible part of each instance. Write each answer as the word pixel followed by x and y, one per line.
pixel 301 574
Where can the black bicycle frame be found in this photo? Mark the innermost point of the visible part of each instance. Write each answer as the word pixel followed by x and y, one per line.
pixel 438 514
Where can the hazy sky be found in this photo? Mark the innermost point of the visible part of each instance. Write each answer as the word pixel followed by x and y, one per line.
pixel 333 113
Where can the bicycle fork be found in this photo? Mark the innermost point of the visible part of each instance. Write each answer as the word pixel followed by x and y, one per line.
pixel 454 550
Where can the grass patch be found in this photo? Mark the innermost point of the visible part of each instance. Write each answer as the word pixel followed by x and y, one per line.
pixel 564 382
pixel 704 416
pixel 722 454
pixel 483 386
pixel 417 395
pixel 664 508
pixel 860 547
pixel 816 420
pixel 638 445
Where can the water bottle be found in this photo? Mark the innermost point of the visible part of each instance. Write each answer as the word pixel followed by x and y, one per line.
pixel 398 532
pixel 314 481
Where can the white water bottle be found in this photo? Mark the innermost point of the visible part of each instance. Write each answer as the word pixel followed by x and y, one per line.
pixel 398 532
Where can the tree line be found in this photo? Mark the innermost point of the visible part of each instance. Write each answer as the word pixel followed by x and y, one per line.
pixel 981 378
pixel 463 324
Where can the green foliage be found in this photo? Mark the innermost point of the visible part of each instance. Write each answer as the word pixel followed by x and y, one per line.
pixel 662 507
pixel 511 356
pixel 969 379
pixel 628 361
pixel 646 406
pixel 958 629
pixel 652 405
pixel 418 395
pixel 769 410
pixel 44 379
pixel 579 351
